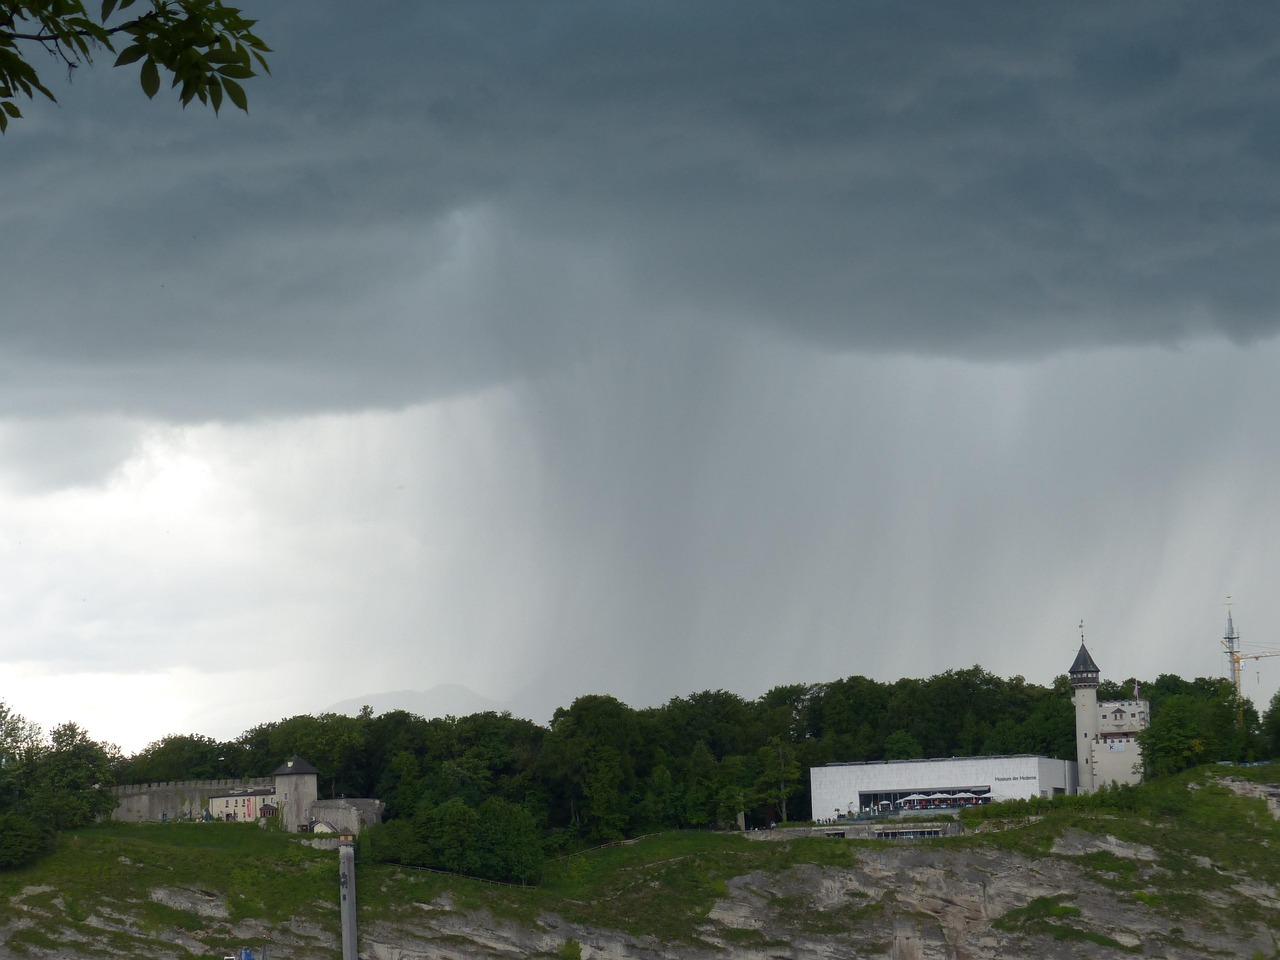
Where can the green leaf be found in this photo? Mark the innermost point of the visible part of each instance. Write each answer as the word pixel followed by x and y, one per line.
pixel 236 93
pixel 130 54
pixel 150 78
pixel 207 47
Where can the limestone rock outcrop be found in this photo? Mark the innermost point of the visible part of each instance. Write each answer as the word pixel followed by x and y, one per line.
pixel 1091 895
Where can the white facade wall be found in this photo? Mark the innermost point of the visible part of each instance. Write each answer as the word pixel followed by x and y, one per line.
pixel 1058 776
pixel 1123 717
pixel 847 787
pixel 1117 760
pixel 240 807
pixel 1116 755
pixel 1109 746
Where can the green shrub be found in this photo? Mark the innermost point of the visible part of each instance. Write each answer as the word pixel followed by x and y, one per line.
pixel 22 839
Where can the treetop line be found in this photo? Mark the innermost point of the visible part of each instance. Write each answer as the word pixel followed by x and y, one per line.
pixel 601 770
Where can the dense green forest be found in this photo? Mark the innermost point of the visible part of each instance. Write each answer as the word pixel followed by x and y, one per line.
pixel 491 794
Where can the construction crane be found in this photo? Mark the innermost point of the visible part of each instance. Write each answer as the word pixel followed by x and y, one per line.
pixel 1231 643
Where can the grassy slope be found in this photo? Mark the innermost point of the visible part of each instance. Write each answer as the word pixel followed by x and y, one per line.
pixel 110 870
pixel 1207 837
pixel 663 886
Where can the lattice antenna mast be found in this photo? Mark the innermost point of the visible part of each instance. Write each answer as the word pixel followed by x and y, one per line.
pixel 1231 644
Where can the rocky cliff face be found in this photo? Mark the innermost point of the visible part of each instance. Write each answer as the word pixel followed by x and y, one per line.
pixel 1061 893
pixel 902 902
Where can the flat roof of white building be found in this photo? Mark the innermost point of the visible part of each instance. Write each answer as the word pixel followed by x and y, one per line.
pixel 886 763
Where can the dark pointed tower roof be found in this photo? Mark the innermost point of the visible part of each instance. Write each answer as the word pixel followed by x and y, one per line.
pixel 294 765
pixel 1084 672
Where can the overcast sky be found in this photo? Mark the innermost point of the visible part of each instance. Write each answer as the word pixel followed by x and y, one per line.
pixel 641 348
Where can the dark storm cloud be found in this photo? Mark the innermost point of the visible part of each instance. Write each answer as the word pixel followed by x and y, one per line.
pixel 969 181
pixel 431 197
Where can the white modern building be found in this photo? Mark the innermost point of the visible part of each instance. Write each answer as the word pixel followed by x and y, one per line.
pixel 1107 751
pixel 844 789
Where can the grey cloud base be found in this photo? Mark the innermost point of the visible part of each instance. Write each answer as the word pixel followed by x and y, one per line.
pixel 427 199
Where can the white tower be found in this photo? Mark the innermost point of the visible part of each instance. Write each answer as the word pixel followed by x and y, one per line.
pixel 1084 679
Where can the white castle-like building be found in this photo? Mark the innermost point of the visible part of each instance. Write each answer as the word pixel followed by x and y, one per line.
pixel 1107 748
pixel 1107 751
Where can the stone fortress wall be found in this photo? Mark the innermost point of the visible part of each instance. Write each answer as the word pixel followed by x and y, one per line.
pixel 189 799
pixel 177 800
pixel 348 815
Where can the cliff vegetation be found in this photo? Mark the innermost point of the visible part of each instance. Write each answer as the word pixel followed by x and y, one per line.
pixel 1184 866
